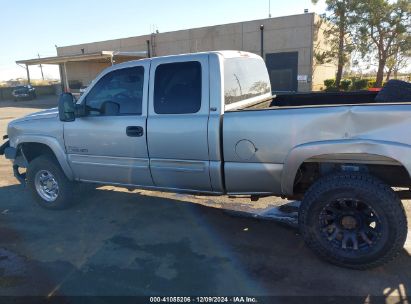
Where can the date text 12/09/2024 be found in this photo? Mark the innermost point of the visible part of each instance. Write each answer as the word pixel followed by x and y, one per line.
pixel 239 299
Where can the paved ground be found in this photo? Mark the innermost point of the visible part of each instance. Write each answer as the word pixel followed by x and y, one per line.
pixel 116 242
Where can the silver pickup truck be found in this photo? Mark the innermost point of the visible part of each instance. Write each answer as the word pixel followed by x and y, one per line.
pixel 207 123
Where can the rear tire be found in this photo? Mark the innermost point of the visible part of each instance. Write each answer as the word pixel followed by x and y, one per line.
pixel 353 220
pixel 48 183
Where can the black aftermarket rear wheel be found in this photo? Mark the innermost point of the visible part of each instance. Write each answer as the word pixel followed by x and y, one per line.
pixel 353 220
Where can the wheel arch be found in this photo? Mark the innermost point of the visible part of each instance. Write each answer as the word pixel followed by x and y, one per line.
pixel 35 146
pixel 359 151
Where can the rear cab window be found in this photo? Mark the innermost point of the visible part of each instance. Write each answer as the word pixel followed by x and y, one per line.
pixel 246 81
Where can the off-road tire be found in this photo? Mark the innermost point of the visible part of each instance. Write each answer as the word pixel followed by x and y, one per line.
pixel 363 187
pixel 66 187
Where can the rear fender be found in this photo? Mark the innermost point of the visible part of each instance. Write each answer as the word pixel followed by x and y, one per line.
pixel 296 157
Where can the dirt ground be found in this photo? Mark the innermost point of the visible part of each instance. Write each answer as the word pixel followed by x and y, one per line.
pixel 120 242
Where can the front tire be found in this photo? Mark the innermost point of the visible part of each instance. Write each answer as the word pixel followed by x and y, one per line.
pixel 353 220
pixel 48 183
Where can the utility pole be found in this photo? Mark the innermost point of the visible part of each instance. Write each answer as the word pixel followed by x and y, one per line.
pixel 41 68
pixel 269 8
pixel 28 74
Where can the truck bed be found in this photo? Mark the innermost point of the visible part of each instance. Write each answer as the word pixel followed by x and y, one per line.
pixel 323 98
pixel 394 91
pixel 263 140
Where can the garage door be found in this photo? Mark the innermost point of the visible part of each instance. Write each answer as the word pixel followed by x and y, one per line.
pixel 283 69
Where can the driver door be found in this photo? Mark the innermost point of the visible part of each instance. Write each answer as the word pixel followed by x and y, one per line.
pixel 109 144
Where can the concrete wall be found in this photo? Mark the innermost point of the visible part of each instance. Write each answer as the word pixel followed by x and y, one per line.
pixel 283 34
pixel 84 71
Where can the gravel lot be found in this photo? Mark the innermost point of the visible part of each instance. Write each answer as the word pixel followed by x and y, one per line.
pixel 120 242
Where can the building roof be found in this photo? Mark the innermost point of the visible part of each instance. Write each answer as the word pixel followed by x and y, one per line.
pixel 102 56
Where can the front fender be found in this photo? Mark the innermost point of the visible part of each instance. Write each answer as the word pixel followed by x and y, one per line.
pixel 295 158
pixel 54 145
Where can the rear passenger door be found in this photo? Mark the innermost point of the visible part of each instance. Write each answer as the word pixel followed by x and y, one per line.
pixel 177 123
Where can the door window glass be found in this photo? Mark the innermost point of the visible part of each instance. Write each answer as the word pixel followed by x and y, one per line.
pixel 177 88
pixel 119 92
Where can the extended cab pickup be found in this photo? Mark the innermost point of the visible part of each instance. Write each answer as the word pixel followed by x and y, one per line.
pixel 207 123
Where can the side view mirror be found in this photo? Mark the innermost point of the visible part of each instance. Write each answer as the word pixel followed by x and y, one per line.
pixel 67 108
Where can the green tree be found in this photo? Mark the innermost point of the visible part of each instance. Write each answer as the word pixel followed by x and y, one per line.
pixel 341 16
pixel 402 53
pixel 384 28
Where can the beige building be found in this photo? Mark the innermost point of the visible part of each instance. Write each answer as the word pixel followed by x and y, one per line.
pixel 287 44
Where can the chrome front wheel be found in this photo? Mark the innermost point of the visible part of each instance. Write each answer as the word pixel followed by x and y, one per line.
pixel 46 185
pixel 49 185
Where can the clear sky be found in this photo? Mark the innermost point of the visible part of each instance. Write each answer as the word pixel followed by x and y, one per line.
pixel 28 28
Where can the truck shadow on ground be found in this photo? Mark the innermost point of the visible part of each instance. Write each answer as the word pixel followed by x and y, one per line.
pixel 119 243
